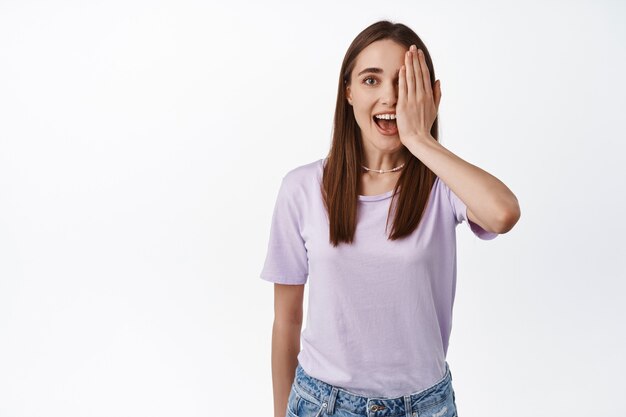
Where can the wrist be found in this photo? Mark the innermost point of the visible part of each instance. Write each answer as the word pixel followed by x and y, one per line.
pixel 418 140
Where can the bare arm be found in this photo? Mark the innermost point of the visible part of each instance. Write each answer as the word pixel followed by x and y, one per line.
pixel 489 201
pixel 285 342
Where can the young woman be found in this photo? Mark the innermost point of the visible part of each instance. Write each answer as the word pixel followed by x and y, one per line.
pixel 380 303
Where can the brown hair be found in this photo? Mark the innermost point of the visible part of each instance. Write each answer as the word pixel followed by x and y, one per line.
pixel 341 173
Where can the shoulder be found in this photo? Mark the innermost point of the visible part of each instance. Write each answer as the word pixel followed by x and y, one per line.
pixel 443 195
pixel 442 188
pixel 303 175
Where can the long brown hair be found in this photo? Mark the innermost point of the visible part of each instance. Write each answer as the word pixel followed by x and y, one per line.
pixel 341 175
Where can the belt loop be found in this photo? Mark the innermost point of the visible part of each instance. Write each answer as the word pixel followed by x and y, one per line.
pixel 407 405
pixel 331 401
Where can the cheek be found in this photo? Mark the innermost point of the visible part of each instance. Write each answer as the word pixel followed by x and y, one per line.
pixel 362 108
pixel 363 118
pixel 362 113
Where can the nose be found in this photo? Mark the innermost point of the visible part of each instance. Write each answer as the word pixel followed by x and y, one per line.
pixel 389 94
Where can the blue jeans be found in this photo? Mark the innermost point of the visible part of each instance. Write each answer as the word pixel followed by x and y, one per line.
pixel 311 397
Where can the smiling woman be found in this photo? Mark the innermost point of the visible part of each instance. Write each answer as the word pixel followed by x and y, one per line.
pixel 373 95
pixel 380 302
pixel 371 87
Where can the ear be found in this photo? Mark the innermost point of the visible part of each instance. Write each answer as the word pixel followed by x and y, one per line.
pixel 349 95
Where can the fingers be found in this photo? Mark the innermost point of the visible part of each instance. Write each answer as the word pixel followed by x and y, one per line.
pixel 410 75
pixel 416 59
pixel 414 79
pixel 402 85
pixel 425 75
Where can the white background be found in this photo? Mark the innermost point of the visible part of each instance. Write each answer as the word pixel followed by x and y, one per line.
pixel 142 144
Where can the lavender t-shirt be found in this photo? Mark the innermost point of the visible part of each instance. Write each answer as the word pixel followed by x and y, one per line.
pixel 380 311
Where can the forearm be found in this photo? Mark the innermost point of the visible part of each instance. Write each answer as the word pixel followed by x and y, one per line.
pixel 488 197
pixel 285 349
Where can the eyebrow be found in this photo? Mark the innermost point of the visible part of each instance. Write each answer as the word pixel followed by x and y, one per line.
pixel 373 71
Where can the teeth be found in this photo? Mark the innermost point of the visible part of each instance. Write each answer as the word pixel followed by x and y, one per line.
pixel 386 116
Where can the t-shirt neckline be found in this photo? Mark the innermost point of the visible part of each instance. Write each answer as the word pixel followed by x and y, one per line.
pixel 376 197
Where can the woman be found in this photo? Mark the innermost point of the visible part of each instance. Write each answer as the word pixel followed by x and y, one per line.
pixel 380 304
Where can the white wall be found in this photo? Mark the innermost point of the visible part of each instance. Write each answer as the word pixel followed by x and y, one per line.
pixel 142 144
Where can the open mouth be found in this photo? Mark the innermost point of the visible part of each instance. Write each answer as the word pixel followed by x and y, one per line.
pixel 386 127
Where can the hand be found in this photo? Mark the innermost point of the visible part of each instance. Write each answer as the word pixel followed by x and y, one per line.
pixel 417 105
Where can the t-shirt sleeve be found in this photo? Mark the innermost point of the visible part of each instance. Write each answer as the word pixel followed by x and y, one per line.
pixel 286 261
pixel 460 213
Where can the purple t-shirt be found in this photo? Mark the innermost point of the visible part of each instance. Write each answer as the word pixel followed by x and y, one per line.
pixel 380 311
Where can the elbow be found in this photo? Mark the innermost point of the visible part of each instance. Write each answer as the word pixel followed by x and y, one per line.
pixel 509 219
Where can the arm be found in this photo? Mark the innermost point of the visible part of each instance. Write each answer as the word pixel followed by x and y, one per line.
pixel 489 202
pixel 285 342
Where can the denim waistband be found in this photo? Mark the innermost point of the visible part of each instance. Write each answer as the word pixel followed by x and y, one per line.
pixel 320 392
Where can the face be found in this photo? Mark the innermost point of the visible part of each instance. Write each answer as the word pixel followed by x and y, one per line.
pixel 376 91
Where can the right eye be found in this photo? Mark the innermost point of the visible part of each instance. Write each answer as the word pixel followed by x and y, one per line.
pixel 368 78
